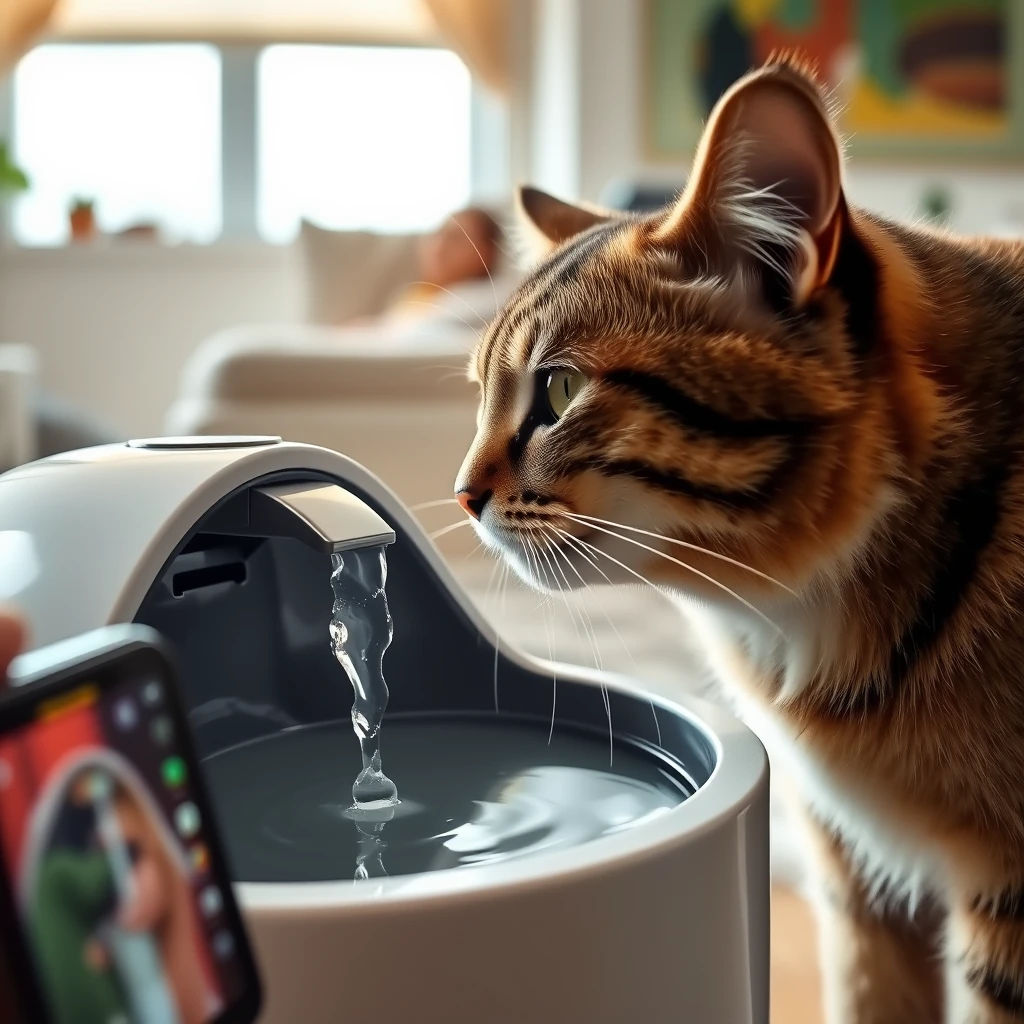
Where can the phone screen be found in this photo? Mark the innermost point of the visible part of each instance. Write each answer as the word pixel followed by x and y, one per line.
pixel 108 860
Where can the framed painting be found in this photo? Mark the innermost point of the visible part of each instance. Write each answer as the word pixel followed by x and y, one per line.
pixel 913 78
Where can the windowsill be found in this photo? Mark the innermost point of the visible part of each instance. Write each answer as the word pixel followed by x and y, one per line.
pixel 125 253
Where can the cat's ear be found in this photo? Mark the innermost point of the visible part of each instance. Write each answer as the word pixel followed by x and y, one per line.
pixel 549 222
pixel 767 182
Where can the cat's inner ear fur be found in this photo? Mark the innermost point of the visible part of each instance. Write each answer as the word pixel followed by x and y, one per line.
pixel 548 222
pixel 765 197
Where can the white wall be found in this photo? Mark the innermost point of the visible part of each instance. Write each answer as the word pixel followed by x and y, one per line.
pixel 114 326
pixel 605 139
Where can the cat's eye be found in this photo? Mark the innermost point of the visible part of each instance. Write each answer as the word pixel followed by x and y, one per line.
pixel 562 387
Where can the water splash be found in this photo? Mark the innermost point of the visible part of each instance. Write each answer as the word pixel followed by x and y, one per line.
pixel 370 824
pixel 361 631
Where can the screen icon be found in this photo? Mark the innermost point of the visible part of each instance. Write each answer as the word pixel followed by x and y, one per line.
pixel 211 901
pixel 161 731
pixel 223 945
pixel 186 819
pixel 200 858
pixel 126 715
pixel 173 772
pixel 152 694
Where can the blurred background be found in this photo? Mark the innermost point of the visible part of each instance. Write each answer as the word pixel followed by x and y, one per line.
pixel 165 163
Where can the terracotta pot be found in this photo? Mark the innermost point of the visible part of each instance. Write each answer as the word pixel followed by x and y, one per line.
pixel 83 224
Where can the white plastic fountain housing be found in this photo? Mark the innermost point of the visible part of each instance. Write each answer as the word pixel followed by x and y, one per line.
pixel 222 544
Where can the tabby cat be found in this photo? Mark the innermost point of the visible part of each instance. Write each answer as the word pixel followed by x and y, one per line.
pixel 809 421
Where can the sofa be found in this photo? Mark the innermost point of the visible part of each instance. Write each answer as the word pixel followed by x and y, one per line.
pixel 33 423
pixel 405 411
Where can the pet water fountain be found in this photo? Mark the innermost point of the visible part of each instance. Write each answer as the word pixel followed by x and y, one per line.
pixel 527 872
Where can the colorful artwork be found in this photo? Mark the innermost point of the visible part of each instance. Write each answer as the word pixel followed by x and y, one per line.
pixel 911 77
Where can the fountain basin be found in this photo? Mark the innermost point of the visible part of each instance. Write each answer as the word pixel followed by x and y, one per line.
pixel 666 920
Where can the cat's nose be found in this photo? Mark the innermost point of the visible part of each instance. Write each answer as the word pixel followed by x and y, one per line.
pixel 474 502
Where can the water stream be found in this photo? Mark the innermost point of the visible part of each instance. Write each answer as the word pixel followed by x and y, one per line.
pixel 361 631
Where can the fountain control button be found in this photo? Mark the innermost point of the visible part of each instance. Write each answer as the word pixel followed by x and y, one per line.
pixel 213 441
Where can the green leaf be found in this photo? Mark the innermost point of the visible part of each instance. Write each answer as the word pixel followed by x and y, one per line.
pixel 12 177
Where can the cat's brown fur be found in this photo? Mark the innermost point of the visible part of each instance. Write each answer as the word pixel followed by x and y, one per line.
pixel 838 402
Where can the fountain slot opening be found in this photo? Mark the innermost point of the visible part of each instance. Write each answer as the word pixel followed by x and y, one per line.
pixel 360 633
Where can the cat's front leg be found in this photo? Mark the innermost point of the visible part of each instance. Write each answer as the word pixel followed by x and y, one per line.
pixel 879 965
pixel 985 952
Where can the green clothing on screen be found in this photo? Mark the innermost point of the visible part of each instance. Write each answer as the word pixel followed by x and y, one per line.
pixel 72 890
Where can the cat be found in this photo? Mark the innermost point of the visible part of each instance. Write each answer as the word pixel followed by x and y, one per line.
pixel 808 421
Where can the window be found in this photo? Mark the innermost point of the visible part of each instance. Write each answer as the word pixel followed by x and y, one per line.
pixel 360 137
pixel 247 142
pixel 135 128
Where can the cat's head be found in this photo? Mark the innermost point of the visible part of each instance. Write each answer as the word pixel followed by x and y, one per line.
pixel 713 373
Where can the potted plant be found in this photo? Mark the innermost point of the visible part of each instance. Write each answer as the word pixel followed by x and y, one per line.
pixel 12 178
pixel 83 219
pixel 12 181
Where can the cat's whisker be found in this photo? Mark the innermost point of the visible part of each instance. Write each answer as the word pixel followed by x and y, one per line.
pixel 504 590
pixel 608 714
pixel 483 262
pixel 490 581
pixel 441 288
pixel 604 691
pixel 430 305
pixel 546 604
pixel 448 529
pixel 571 540
pixel 563 592
pixel 497 638
pixel 440 366
pixel 496 575
pixel 553 548
pixel 583 520
pixel 657 590
pixel 437 503
pixel 588 625
pixel 555 584
pixel 584 615
pixel 575 544
pixel 631 571
pixel 497 635
pixel 703 575
pixel 548 630
pixel 452 375
pixel 572 618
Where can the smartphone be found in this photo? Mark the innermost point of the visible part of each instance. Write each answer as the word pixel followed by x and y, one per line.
pixel 116 904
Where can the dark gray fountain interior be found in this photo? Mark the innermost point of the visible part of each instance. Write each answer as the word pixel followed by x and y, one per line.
pixel 249 620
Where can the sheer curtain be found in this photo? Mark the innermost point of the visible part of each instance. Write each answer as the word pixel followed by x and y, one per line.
pixel 20 22
pixel 478 31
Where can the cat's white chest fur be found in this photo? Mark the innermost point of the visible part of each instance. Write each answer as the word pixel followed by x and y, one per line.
pixel 890 858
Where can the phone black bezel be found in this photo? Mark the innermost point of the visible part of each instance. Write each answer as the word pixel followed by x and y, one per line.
pixel 109 667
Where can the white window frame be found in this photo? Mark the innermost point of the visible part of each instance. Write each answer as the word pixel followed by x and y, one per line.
pixel 490 179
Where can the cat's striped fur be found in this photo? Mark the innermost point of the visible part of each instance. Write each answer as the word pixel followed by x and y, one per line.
pixel 836 401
